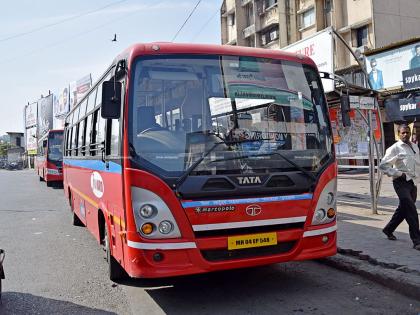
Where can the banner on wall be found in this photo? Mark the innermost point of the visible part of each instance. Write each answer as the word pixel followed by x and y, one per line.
pixel 351 142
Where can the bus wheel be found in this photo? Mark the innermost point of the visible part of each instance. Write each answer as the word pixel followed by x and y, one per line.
pixel 115 271
pixel 49 184
pixel 76 220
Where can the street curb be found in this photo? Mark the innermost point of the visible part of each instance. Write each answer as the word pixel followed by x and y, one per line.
pixel 407 284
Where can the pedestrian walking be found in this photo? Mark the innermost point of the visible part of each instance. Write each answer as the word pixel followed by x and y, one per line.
pixel 402 163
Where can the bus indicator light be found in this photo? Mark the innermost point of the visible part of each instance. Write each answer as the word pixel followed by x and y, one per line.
pixel 147 228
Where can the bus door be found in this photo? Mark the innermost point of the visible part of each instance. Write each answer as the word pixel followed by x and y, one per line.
pixel 113 167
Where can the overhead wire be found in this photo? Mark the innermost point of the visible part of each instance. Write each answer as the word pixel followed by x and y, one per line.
pixel 186 20
pixel 60 22
pixel 204 26
pixel 68 39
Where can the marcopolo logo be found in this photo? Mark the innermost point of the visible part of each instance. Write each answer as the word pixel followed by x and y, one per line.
pixel 97 184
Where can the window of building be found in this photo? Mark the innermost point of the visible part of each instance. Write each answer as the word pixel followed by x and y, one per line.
pixel 270 35
pixel 269 3
pixel 361 35
pixel 231 19
pixel 328 6
pixel 249 14
pixel 307 18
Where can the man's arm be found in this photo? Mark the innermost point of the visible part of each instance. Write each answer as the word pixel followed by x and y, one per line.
pixel 388 161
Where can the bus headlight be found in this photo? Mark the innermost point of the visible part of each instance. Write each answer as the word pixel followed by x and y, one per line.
pixel 147 211
pixel 153 218
pixel 319 215
pixel 327 200
pixel 165 227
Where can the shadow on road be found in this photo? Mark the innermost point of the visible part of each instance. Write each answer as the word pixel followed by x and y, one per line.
pixel 25 303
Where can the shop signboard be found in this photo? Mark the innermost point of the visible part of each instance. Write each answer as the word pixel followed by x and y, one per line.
pixel 319 47
pixel 395 68
pixel 411 78
pixel 409 106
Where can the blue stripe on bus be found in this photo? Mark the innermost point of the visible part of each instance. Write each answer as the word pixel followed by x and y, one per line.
pixel 210 203
pixel 96 165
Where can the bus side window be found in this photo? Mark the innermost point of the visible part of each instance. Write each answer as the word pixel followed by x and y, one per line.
pixel 80 142
pixel 114 136
pixel 74 140
pixel 98 133
pixel 91 101
pixel 88 124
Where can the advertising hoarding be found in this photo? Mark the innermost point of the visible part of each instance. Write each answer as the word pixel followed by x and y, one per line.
pixel 45 115
pixel 31 115
pixel 31 141
pixel 395 68
pixel 82 86
pixel 319 47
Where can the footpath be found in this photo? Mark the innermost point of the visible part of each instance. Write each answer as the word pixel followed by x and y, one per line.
pixel 363 248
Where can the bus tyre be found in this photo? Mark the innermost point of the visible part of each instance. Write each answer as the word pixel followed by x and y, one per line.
pixel 115 271
pixel 76 220
pixel 49 184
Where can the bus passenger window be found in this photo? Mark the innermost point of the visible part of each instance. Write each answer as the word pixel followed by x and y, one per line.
pixel 88 123
pixel 115 135
pixel 81 150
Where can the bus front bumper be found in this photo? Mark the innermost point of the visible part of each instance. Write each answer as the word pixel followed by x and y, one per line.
pixel 154 260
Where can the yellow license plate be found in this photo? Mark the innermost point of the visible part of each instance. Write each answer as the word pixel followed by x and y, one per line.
pixel 252 240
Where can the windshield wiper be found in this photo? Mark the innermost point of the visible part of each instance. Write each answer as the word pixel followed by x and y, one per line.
pixel 195 164
pixel 298 167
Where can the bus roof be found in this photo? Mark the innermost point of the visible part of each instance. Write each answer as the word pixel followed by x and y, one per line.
pixel 163 48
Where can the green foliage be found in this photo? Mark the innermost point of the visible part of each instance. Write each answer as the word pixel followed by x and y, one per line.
pixel 3 148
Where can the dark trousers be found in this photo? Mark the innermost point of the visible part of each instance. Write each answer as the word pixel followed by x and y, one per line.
pixel 407 194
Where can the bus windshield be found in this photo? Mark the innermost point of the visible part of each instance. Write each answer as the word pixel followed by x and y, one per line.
pixel 227 115
pixel 55 150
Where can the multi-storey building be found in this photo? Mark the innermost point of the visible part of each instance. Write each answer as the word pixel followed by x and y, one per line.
pixel 384 34
pixel 364 24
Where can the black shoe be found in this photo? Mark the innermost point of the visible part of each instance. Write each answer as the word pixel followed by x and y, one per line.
pixel 417 246
pixel 390 236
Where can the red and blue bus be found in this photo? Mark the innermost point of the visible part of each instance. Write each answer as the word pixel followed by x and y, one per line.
pixel 49 158
pixel 186 159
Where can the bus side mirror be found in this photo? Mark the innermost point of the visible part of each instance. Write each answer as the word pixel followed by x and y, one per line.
pixel 345 110
pixel 111 99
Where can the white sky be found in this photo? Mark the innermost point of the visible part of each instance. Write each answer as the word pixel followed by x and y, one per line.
pixel 52 57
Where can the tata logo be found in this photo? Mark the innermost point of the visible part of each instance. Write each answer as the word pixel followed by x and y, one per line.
pixel 253 210
pixel 249 180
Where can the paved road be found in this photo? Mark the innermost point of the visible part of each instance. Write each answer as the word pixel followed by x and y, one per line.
pixel 53 267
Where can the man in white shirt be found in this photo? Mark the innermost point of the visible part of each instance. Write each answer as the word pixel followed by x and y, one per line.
pixel 402 163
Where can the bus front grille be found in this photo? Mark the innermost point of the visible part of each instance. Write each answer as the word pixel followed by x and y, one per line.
pixel 249 230
pixel 215 255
